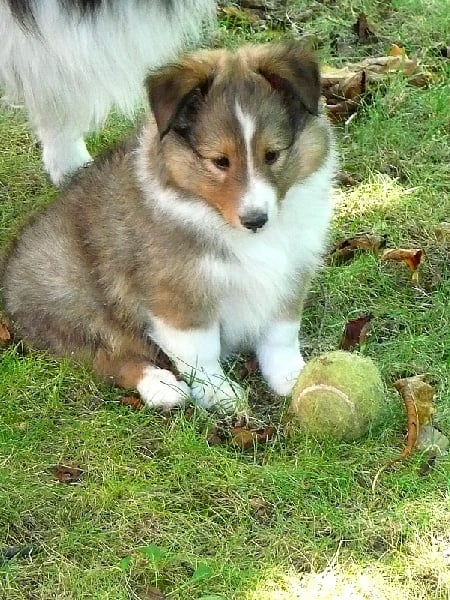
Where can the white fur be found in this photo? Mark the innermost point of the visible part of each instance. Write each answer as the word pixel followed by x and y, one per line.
pixel 269 264
pixel 279 356
pixel 159 388
pixel 196 354
pixel 259 198
pixel 73 69
pixel 260 195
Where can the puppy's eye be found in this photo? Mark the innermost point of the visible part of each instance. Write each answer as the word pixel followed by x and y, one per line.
pixel 222 163
pixel 271 156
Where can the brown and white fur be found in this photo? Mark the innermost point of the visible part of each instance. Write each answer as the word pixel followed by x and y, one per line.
pixel 201 240
pixel 69 61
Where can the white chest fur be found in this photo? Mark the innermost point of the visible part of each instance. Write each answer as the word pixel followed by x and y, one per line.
pixel 267 267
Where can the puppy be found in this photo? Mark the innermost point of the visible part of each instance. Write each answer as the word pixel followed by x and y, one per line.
pixel 201 240
pixel 69 61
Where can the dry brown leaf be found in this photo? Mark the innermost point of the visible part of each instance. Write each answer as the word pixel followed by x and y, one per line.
pixel 5 336
pixel 375 69
pixel 421 79
pixel 248 368
pixel 260 507
pixel 215 436
pixel 353 87
pixel 411 257
pixel 346 249
pixel 418 398
pixel 343 88
pixel 364 30
pixel 355 332
pixel 246 438
pixel 341 111
pixel 132 401
pixel 66 474
pixel 382 65
pixel 345 179
pixel 397 51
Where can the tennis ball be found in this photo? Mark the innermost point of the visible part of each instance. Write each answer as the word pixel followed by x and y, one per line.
pixel 339 395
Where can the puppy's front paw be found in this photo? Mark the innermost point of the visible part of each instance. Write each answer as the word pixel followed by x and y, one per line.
pixel 160 388
pixel 219 395
pixel 282 371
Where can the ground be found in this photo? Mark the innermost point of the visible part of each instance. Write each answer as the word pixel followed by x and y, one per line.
pixel 158 511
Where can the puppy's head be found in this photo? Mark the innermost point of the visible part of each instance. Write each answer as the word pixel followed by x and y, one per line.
pixel 238 130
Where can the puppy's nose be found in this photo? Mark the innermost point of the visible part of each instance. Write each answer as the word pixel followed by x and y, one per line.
pixel 254 220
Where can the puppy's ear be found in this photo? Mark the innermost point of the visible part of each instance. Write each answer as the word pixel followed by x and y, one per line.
pixel 291 70
pixel 177 91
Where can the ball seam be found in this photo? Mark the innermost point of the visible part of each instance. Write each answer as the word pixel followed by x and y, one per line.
pixel 328 388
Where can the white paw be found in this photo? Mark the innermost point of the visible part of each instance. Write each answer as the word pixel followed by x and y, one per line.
pixel 218 394
pixel 282 371
pixel 63 157
pixel 160 388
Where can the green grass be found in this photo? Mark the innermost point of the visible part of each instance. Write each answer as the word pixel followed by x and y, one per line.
pixel 297 518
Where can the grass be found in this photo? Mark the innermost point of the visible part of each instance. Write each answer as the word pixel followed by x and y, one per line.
pixel 157 507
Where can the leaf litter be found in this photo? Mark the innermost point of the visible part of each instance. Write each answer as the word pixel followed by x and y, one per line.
pixel 67 474
pixel 355 332
pixel 5 334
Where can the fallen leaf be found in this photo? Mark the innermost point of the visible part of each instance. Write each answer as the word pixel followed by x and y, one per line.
pixel 5 336
pixel 412 258
pixel 242 419
pixel 353 87
pixel 397 51
pixel 65 474
pixel 343 94
pixel 132 401
pixel 341 111
pixel 376 68
pixel 248 368
pixel 355 332
pixel 418 398
pixel 346 249
pixel 345 179
pixel 246 438
pixel 421 79
pixel 363 30
pixel 383 65
pixel 343 88
pixel 260 507
pixel 214 436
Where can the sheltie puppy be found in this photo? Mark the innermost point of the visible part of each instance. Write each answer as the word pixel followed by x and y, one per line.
pixel 200 240
pixel 69 61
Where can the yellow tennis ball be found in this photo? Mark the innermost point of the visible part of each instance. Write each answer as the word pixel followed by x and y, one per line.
pixel 338 395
